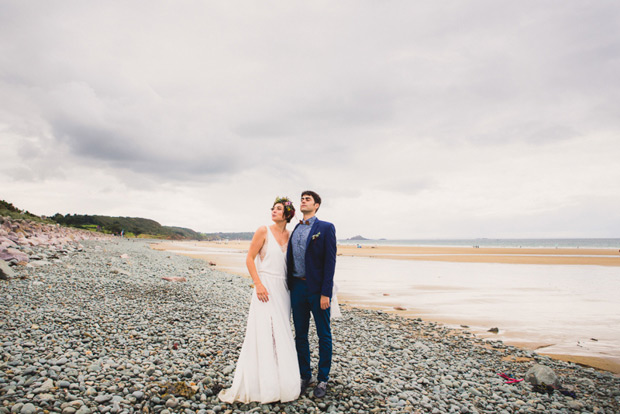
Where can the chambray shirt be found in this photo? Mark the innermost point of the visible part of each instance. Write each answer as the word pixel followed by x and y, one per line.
pixel 300 237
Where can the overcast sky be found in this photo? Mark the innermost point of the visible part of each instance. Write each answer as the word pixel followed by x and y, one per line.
pixel 447 119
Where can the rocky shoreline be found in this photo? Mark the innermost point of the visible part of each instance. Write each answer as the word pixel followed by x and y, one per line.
pixel 29 243
pixel 97 329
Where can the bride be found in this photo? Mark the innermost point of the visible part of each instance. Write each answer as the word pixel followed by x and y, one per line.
pixel 267 368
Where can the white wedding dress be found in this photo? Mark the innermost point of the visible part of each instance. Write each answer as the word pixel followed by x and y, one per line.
pixel 267 369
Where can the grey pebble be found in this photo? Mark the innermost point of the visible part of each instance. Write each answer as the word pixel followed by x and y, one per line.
pixel 28 408
pixel 17 407
pixel 103 398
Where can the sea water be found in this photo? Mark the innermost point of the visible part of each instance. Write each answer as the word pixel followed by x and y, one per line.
pixel 572 308
pixel 488 242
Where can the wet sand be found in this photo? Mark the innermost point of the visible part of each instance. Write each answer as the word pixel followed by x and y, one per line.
pixel 600 257
pixel 367 293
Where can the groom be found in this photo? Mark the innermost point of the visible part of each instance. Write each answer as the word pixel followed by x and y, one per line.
pixel 311 260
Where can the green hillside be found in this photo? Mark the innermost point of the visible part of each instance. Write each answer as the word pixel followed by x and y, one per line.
pixel 228 236
pixel 9 210
pixel 131 226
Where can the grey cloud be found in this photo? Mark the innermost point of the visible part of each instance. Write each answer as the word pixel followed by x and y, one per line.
pixel 408 185
pixel 340 109
pixel 534 132
pixel 140 154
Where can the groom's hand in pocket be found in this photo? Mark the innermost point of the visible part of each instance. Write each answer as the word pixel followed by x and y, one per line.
pixel 324 302
pixel 262 293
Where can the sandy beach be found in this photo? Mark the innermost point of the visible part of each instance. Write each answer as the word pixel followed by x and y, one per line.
pixel 417 300
pixel 566 256
pixel 600 257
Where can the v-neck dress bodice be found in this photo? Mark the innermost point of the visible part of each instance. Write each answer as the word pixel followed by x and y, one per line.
pixel 271 261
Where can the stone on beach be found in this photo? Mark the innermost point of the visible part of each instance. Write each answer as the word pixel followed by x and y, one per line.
pixel 11 254
pixel 174 279
pixel 28 408
pixel 6 242
pixel 541 374
pixel 5 271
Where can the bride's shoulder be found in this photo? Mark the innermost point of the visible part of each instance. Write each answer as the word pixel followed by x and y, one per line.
pixel 260 233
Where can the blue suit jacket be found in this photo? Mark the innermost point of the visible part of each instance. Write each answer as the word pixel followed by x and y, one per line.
pixel 320 258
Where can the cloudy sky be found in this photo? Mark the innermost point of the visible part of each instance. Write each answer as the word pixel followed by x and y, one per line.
pixel 411 119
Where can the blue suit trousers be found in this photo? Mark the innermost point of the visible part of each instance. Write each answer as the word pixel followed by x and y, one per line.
pixel 302 304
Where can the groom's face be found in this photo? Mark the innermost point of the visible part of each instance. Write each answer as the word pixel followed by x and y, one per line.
pixel 307 204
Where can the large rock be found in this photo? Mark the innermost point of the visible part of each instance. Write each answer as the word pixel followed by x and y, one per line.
pixel 15 254
pixel 5 271
pixel 540 374
pixel 5 255
pixel 5 242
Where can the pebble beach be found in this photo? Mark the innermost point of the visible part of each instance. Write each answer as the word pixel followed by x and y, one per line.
pixel 97 329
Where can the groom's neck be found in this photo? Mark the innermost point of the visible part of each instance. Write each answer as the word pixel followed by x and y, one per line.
pixel 308 216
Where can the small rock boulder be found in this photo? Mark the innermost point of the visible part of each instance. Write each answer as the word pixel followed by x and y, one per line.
pixel 174 279
pixel 5 271
pixel 18 254
pixel 540 374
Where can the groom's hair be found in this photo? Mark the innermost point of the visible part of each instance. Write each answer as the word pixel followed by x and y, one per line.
pixel 315 196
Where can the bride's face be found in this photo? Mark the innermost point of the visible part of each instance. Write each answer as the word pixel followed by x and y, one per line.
pixel 277 212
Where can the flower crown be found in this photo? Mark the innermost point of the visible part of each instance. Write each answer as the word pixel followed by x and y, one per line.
pixel 289 210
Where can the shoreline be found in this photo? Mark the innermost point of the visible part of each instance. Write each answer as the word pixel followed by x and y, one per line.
pixel 230 258
pixel 602 363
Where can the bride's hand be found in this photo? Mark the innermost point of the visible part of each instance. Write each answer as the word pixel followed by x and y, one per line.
pixel 262 293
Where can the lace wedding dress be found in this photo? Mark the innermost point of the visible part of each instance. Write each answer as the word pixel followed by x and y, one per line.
pixel 267 368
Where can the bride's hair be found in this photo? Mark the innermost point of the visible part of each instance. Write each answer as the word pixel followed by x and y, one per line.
pixel 289 210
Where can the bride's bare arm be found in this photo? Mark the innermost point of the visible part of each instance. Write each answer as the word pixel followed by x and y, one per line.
pixel 257 243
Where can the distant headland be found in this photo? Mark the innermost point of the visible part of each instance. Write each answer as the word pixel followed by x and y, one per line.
pixel 127 226
pixel 358 237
